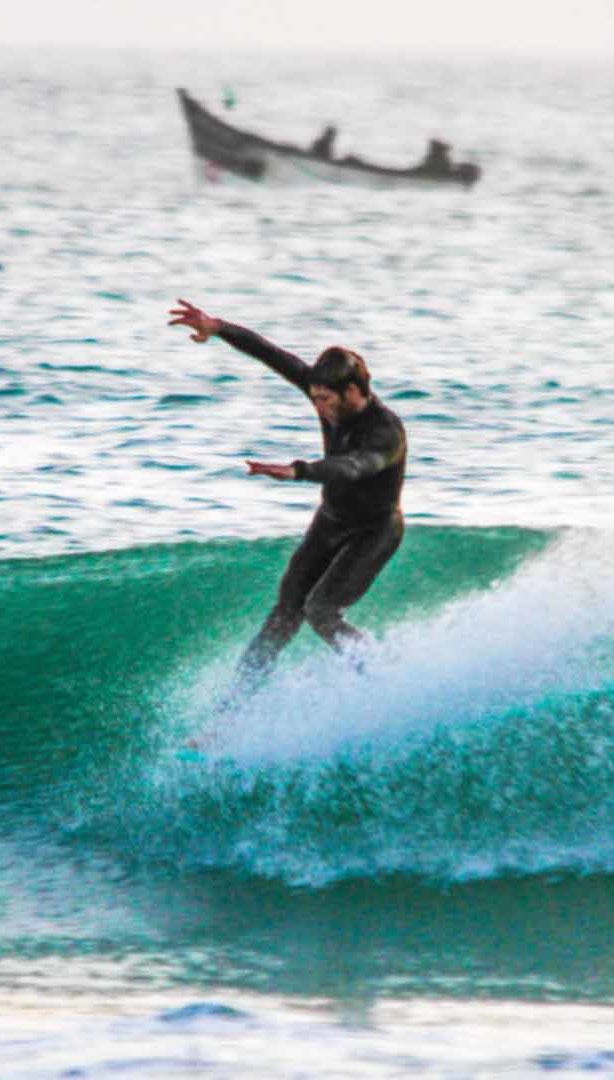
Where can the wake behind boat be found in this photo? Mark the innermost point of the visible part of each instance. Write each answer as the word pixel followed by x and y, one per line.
pixel 225 148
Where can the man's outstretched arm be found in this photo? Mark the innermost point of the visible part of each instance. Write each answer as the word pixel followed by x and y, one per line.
pixel 386 447
pixel 284 363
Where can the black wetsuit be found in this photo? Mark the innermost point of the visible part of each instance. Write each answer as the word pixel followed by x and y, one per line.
pixel 358 526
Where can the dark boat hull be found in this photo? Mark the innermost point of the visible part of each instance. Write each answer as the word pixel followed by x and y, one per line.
pixel 225 148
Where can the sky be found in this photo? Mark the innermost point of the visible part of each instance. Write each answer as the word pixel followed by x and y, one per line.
pixel 516 26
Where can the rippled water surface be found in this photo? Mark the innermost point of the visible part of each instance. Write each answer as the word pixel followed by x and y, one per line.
pixel 486 315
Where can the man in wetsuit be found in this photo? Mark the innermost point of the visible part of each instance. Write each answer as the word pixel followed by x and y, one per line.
pixel 359 524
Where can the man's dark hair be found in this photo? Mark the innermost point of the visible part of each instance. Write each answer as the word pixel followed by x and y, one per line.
pixel 336 368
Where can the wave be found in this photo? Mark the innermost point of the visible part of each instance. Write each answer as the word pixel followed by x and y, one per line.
pixel 479 742
pixel 85 640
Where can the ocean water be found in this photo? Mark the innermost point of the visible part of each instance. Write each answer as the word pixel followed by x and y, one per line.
pixel 405 873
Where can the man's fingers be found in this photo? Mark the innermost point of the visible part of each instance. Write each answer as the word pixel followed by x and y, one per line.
pixel 258 468
pixel 276 472
pixel 188 308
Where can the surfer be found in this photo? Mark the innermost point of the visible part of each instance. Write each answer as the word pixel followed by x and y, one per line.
pixel 359 524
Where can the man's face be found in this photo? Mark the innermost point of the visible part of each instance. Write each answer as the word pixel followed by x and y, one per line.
pixel 328 403
pixel 335 407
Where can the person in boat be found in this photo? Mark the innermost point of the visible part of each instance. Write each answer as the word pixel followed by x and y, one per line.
pixel 322 147
pixel 359 523
pixel 437 161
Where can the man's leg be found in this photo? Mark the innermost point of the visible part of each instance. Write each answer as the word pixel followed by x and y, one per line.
pixel 347 578
pixel 308 564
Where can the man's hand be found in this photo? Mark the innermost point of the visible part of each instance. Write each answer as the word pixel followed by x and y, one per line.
pixel 276 472
pixel 188 315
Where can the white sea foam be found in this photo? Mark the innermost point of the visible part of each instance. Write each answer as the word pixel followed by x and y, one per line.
pixel 547 631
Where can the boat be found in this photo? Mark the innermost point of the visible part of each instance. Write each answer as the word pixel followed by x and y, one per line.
pixel 224 148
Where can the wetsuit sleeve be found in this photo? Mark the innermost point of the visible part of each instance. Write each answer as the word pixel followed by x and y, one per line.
pixel 386 448
pixel 286 364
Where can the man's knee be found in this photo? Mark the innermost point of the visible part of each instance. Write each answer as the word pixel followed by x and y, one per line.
pixel 291 596
pixel 322 616
pixel 280 626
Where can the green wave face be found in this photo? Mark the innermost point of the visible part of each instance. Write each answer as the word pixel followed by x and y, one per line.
pixel 478 742
pixel 86 641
